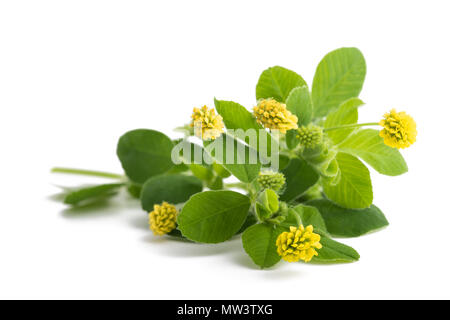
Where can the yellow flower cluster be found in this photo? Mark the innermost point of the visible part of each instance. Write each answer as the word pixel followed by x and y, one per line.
pixel 399 129
pixel 298 244
pixel 207 124
pixel 163 218
pixel 272 114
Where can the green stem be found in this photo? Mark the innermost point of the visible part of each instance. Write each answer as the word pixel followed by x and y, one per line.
pixel 356 125
pixel 88 173
pixel 239 185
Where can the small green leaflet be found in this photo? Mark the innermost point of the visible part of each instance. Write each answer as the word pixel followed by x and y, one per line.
pixel 300 104
pixel 92 194
pixel 343 222
pixel 237 117
pixel 245 165
pixel 339 77
pixel 335 252
pixel 144 154
pixel 173 189
pixel 347 113
pixel 354 189
pixel 277 82
pixel 213 216
pixel 369 146
pixel 311 216
pixel 300 176
pixel 259 241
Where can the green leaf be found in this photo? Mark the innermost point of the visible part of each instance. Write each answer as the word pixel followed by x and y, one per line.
pixel 292 220
pixel 311 216
pixel 178 168
pixel 343 222
pixel 300 176
pixel 277 82
pixel 291 139
pixel 300 104
pixel 221 171
pixel 249 221
pixel 190 153
pixel 259 241
pixel 369 146
pixel 203 172
pixel 92 194
pixel 173 189
pixel 354 189
pixel 144 154
pixel 339 77
pixel 215 184
pixel 284 161
pixel 241 166
pixel 267 204
pixel 335 252
pixel 238 117
pixel 347 113
pixel 134 189
pixel 213 216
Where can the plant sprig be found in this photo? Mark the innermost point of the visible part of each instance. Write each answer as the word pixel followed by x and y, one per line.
pixel 314 187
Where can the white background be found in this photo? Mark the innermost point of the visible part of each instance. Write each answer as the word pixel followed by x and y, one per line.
pixel 75 75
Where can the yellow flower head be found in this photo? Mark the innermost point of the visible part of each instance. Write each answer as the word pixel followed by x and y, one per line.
pixel 399 129
pixel 298 244
pixel 207 124
pixel 163 218
pixel 272 114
